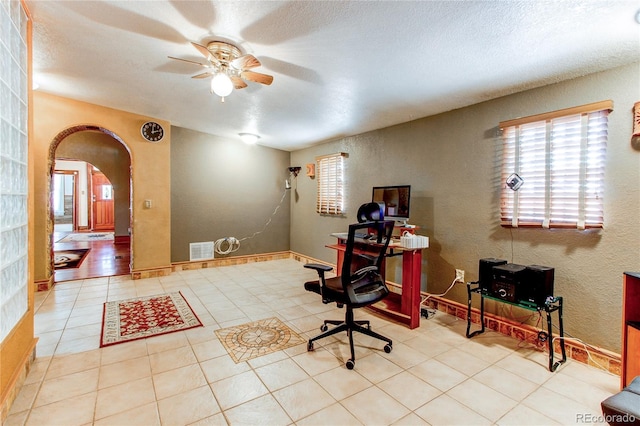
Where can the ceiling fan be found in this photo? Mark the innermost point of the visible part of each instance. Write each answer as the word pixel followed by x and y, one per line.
pixel 228 67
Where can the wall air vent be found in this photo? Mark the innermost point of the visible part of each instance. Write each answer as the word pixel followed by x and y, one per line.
pixel 201 251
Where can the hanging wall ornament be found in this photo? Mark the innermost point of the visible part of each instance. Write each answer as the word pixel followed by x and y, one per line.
pixel 635 137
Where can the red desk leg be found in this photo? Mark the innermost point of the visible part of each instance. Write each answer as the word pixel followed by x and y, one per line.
pixel 403 307
pixel 339 262
pixel 411 278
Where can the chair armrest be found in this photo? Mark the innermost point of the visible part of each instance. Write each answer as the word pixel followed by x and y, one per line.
pixel 318 267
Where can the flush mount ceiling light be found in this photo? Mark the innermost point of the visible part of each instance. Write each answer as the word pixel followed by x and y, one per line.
pixel 249 138
pixel 228 67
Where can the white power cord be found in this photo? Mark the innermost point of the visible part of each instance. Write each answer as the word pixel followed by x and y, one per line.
pixel 587 346
pixel 232 244
pixel 228 245
pixel 424 308
pixel 455 280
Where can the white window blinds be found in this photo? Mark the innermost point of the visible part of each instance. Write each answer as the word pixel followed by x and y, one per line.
pixel 330 172
pixel 561 159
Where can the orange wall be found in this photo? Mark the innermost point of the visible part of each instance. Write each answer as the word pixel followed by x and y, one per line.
pixel 150 162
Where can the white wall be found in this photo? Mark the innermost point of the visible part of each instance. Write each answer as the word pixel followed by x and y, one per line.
pixel 82 219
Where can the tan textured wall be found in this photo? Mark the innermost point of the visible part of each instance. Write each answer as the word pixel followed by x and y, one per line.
pixel 112 158
pixel 452 161
pixel 150 175
pixel 224 188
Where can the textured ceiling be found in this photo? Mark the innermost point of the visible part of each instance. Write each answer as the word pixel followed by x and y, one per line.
pixel 340 68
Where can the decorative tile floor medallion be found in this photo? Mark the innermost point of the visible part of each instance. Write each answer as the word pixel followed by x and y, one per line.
pixel 138 318
pixel 247 341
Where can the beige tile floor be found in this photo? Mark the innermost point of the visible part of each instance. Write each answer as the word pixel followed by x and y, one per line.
pixel 433 376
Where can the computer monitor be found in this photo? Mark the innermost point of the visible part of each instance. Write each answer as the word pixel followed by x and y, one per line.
pixel 396 201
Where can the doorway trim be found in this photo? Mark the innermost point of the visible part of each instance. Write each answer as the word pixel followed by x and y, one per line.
pixel 50 271
pixel 74 204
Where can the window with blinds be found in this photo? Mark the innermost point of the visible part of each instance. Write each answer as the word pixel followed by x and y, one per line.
pixel 561 158
pixel 330 174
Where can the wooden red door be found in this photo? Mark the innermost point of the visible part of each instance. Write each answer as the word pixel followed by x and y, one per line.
pixel 102 217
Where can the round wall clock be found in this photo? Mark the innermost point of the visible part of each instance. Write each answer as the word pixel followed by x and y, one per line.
pixel 152 131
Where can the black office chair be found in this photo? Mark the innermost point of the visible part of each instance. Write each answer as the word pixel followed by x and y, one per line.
pixel 361 282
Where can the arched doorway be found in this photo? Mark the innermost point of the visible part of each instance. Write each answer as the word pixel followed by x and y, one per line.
pixel 101 236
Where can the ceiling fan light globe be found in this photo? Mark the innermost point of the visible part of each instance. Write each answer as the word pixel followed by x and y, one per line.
pixel 249 138
pixel 221 85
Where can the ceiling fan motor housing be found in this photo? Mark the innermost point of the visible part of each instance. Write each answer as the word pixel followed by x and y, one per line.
pixel 223 52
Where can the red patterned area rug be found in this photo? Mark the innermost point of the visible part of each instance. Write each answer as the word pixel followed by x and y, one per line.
pixel 254 339
pixel 139 318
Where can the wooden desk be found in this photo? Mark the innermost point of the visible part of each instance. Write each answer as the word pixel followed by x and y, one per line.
pixel 405 307
pixel 630 328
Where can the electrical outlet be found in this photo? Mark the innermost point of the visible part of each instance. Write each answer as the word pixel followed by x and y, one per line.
pixel 460 275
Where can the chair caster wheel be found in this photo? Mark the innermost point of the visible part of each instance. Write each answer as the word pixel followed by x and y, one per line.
pixel 350 364
pixel 324 327
pixel 310 347
pixel 387 348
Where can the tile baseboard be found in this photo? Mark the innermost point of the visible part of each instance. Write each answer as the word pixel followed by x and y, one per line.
pixel 576 350
pixel 230 261
pixel 139 274
pixel 44 285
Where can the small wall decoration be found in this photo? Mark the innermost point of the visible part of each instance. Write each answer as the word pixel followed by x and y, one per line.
pixel 311 170
pixel 152 131
pixel 635 137
pixel 514 181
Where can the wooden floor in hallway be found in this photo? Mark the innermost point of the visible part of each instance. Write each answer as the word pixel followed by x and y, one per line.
pixel 105 259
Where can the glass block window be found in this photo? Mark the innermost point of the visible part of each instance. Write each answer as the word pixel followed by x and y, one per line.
pixel 13 165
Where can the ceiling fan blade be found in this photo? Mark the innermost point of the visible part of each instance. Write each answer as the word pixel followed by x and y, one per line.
pixel 202 49
pixel 203 75
pixel 257 77
pixel 207 54
pixel 191 62
pixel 244 62
pixel 238 83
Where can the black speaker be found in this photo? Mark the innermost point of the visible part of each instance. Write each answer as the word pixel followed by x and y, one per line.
pixel 485 271
pixel 539 284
